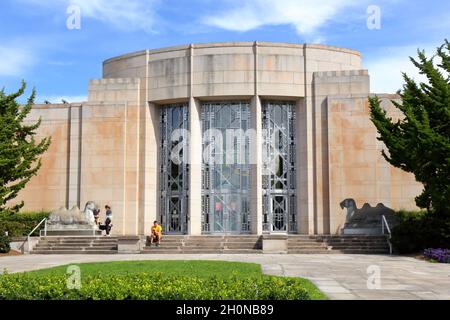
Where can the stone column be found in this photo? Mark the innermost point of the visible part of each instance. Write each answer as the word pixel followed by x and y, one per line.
pixel 304 159
pixel 149 171
pixel 74 160
pixel 305 152
pixel 195 168
pixel 256 166
pixel 148 157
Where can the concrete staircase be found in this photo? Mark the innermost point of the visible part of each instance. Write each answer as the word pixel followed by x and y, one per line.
pixel 354 244
pixel 76 245
pixel 244 244
pixel 206 244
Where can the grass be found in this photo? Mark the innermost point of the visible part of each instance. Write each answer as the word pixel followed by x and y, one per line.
pixel 197 268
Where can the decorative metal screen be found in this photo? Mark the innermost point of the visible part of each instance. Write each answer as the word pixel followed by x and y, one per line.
pixel 279 189
pixel 174 169
pixel 226 169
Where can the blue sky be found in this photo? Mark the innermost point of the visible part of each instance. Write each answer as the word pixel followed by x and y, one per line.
pixel 36 45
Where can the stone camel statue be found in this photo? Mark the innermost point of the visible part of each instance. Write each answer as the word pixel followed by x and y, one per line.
pixel 366 215
pixel 74 216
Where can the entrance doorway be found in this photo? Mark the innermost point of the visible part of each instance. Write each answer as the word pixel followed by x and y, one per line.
pixel 279 175
pixel 174 169
pixel 225 168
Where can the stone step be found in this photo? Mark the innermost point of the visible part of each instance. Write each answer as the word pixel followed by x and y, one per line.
pixel 75 248
pixel 242 241
pixel 347 251
pixel 77 242
pixel 310 251
pixel 39 245
pixel 162 250
pixel 241 251
pixel 246 246
pixel 87 244
pixel 74 252
pixel 77 237
pixel 203 241
pixel 362 251
pixel 360 248
pixel 163 246
pixel 307 247
pixel 203 245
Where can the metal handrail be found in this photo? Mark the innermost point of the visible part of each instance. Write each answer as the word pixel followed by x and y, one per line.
pixel 383 224
pixel 32 231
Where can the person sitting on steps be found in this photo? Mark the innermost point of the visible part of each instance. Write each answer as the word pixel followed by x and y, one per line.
pixel 156 233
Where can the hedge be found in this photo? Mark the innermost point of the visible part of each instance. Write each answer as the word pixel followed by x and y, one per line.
pixel 21 224
pixel 146 286
pixel 4 243
pixel 417 231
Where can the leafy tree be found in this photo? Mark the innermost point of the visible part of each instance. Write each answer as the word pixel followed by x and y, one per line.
pixel 19 151
pixel 419 142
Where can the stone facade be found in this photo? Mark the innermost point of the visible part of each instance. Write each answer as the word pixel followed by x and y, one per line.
pixel 107 149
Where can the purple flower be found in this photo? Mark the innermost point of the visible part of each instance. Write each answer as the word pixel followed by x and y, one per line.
pixel 440 255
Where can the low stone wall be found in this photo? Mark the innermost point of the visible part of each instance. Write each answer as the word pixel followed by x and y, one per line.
pixel 20 244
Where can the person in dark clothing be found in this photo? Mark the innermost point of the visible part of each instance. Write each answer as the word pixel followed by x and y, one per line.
pixel 96 216
pixel 108 221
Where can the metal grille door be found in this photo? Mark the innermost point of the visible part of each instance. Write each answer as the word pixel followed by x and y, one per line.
pixel 174 168
pixel 225 169
pixel 279 176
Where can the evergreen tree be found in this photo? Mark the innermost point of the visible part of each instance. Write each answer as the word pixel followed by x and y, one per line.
pixel 19 152
pixel 420 141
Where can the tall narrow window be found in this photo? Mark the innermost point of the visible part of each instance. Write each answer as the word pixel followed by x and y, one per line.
pixel 279 190
pixel 174 169
pixel 226 170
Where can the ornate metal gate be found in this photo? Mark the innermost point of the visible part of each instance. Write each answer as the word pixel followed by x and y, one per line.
pixel 226 171
pixel 174 168
pixel 279 187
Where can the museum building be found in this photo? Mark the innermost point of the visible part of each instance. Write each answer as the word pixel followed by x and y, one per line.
pixel 221 138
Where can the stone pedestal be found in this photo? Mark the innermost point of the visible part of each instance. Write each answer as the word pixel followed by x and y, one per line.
pixel 275 244
pixel 129 244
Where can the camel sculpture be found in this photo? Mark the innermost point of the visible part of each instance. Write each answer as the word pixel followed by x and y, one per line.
pixel 366 217
pixel 74 217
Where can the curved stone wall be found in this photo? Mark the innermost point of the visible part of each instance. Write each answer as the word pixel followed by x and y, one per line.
pixel 230 69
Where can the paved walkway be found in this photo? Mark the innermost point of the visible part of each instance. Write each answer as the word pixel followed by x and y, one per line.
pixel 339 276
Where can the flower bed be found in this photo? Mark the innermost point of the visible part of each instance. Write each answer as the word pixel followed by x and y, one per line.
pixel 439 255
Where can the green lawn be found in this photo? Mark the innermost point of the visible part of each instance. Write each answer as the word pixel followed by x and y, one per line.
pixel 197 268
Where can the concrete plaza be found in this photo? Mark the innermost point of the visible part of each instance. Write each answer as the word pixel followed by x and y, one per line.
pixel 339 276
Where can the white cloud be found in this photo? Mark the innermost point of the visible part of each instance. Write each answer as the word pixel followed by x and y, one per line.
pixel 130 15
pixel 386 69
pixel 15 61
pixel 307 16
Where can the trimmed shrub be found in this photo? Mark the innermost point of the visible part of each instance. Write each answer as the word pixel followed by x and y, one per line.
pixel 4 242
pixel 21 224
pixel 417 231
pixel 145 286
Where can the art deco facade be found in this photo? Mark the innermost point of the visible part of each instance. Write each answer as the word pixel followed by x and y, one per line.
pixel 117 147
